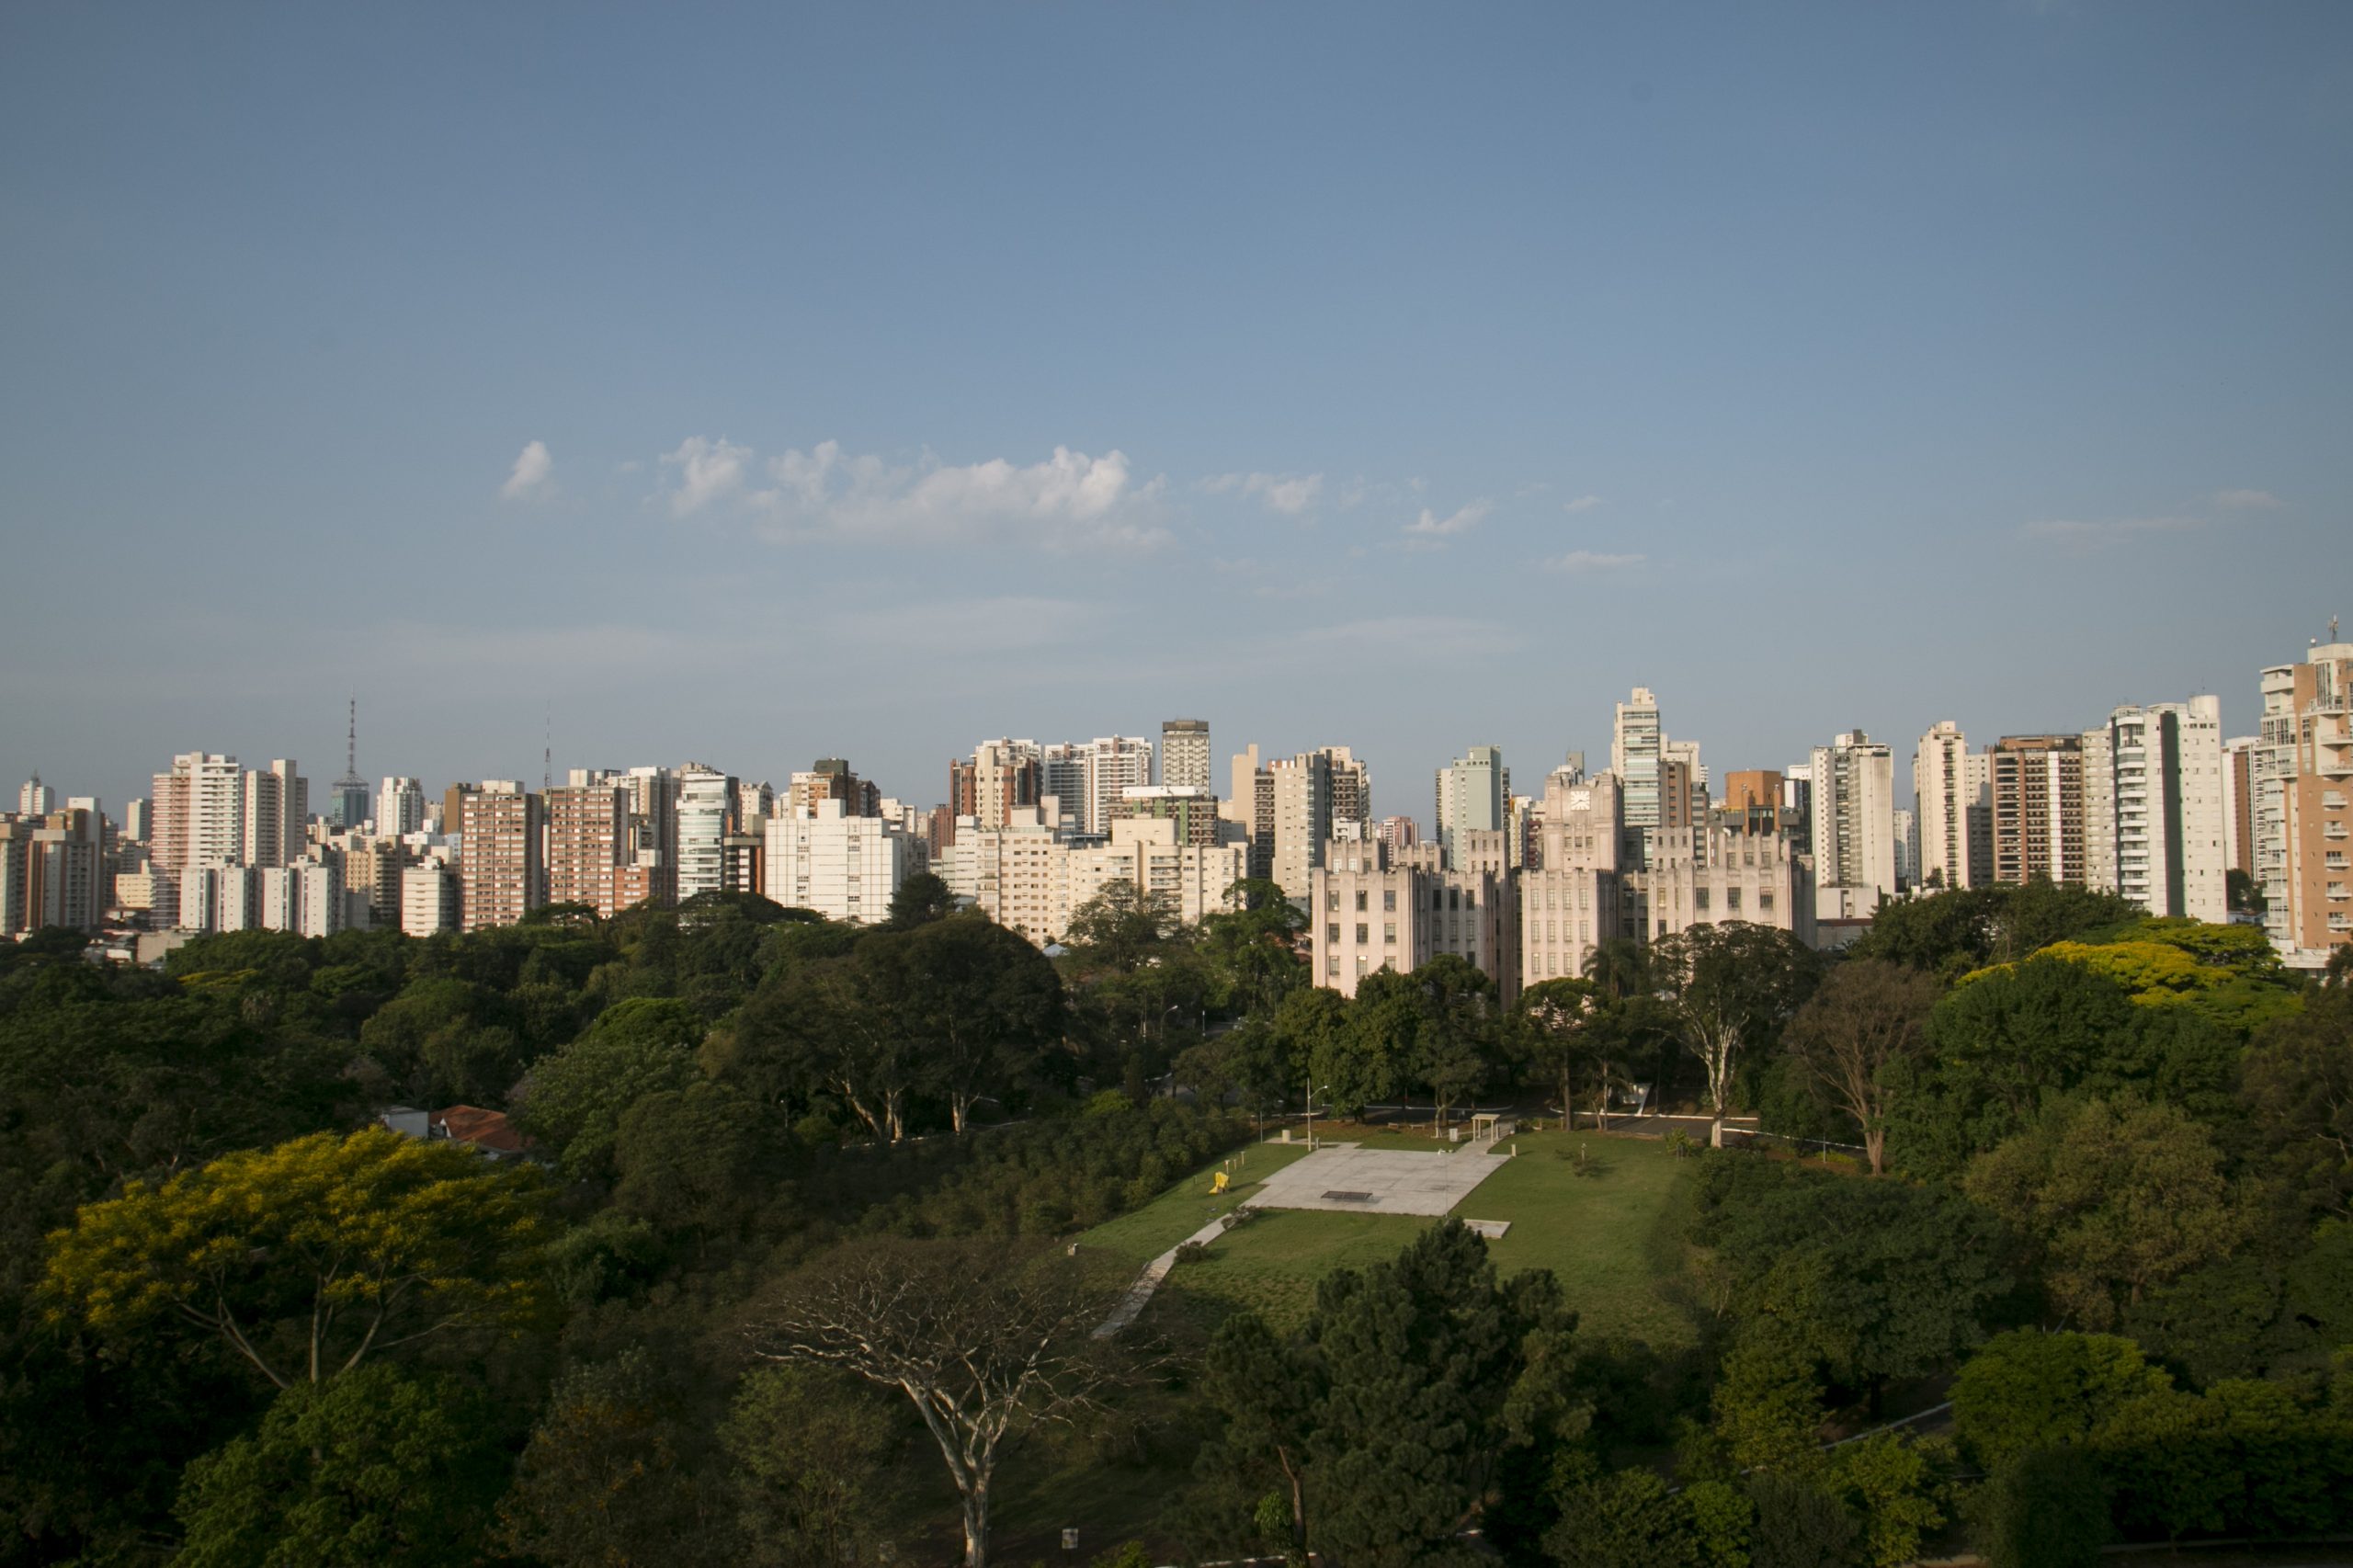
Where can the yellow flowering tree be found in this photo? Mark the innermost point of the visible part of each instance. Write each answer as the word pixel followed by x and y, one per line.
pixel 308 1257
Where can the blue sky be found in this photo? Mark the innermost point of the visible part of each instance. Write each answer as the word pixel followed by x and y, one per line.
pixel 756 384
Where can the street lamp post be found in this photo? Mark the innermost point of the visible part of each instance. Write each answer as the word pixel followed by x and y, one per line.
pixel 1164 1045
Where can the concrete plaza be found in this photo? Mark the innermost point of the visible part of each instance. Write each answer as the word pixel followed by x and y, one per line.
pixel 1348 1179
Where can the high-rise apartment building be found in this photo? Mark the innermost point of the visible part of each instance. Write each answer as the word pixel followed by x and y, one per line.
pixel 1185 755
pixel 1634 738
pixel 1191 879
pixel 1000 778
pixel 2316 818
pixel 706 803
pixel 498 868
pixel 36 799
pixel 830 778
pixel 1853 827
pixel 1193 810
pixel 1114 764
pixel 1473 795
pixel 844 866
pixel 2036 783
pixel 1250 806
pixel 430 899
pixel 2153 808
pixel 275 831
pixel 199 812
pixel 52 870
pixel 2238 804
pixel 1954 811
pixel 588 841
pixel 1087 776
pixel 1313 793
pixel 400 807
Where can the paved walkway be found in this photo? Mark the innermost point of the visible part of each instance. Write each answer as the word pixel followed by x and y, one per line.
pixel 1348 1179
pixel 1133 1303
pixel 1344 1178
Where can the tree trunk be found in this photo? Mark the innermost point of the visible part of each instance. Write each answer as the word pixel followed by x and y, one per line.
pixel 1875 1146
pixel 976 1525
pixel 1716 1129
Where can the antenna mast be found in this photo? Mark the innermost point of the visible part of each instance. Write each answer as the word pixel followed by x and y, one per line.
pixel 547 753
pixel 351 743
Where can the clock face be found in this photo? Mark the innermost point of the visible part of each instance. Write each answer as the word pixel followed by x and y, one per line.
pixel 1580 799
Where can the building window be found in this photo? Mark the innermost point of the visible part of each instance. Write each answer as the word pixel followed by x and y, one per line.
pixel 1364 933
pixel 1389 901
pixel 1699 898
pixel 1360 900
pixel 1732 900
pixel 1389 933
pixel 1763 902
pixel 1332 935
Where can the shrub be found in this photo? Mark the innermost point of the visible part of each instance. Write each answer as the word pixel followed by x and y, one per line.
pixel 2045 1508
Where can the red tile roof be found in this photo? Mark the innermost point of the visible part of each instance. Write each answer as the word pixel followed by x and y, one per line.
pixel 486 1129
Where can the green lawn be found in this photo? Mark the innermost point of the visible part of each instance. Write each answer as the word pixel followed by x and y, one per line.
pixel 1142 1234
pixel 1595 1232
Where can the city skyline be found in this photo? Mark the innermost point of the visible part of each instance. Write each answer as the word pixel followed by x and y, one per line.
pixel 876 383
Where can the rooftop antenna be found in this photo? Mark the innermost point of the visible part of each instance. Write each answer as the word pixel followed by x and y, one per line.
pixel 547 752
pixel 351 743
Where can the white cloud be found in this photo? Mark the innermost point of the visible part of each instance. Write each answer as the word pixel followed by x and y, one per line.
pixel 1461 520
pixel 709 471
pixel 2098 535
pixel 1069 498
pixel 1289 493
pixel 1582 503
pixel 530 475
pixel 2248 501
pixel 1591 560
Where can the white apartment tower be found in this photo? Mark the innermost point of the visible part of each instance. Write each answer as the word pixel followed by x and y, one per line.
pixel 2153 808
pixel 200 808
pixel 706 797
pixel 1113 764
pixel 1634 755
pixel 843 866
pixel 400 807
pixel 1953 815
pixel 1853 826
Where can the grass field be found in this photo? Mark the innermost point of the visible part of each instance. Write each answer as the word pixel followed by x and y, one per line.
pixel 1142 1234
pixel 1593 1230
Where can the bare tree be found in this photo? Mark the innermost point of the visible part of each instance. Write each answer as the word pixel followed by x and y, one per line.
pixel 1866 1014
pixel 984 1338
